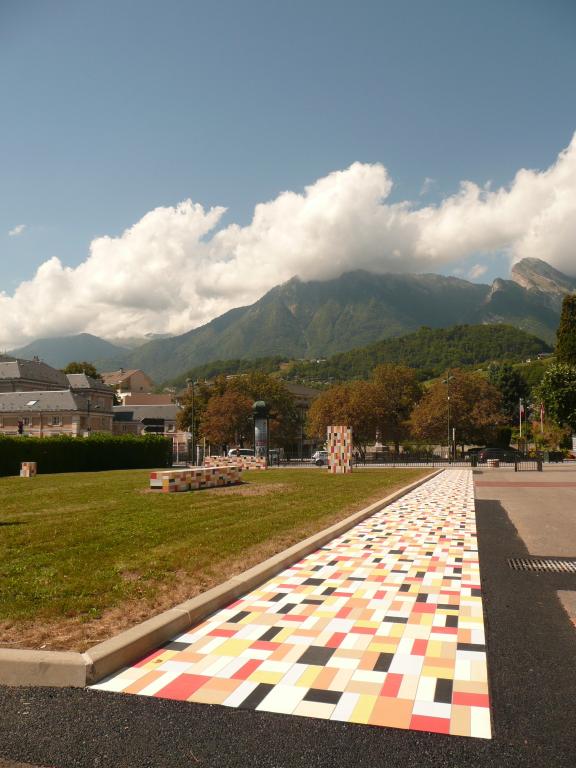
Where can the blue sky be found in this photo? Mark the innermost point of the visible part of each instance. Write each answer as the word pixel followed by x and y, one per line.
pixel 115 107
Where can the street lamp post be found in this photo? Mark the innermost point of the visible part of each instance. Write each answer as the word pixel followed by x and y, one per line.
pixel 190 385
pixel 447 381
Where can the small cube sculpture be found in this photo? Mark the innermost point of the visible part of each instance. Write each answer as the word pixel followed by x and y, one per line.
pixel 28 469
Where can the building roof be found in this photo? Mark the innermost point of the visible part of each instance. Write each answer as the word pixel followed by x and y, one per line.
pixel 46 401
pixel 140 412
pixel 82 381
pixel 31 370
pixel 113 378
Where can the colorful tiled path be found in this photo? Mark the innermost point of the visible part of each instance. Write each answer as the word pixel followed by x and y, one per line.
pixel 382 626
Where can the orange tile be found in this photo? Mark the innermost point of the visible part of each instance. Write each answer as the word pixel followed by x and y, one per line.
pixel 392 712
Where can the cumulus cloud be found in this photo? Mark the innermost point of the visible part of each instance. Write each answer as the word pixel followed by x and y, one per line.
pixel 427 185
pixel 174 269
pixel 477 271
pixel 17 230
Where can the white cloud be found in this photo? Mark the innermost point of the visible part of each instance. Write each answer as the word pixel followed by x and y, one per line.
pixel 17 230
pixel 171 271
pixel 477 271
pixel 427 185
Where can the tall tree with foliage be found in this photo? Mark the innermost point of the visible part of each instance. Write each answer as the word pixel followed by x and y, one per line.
pixel 394 392
pixel 284 418
pixel 566 334
pixel 348 405
pixel 557 391
pixel 512 387
pixel 475 410
pixel 227 419
pixel 84 367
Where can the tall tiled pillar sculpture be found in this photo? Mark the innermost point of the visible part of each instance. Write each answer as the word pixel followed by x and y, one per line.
pixel 339 450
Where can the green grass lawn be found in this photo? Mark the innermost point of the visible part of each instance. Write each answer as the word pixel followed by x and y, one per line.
pixel 76 545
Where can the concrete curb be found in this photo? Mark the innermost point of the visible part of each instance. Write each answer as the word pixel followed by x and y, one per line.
pixel 68 669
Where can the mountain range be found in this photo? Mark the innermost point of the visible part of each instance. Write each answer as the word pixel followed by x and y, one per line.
pixel 316 319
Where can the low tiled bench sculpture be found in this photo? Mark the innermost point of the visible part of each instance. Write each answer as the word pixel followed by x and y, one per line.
pixel 246 462
pixel 178 480
pixel 28 469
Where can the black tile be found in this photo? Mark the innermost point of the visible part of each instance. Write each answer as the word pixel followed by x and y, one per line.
pixel 396 619
pixel 271 633
pixel 323 697
pixel 470 647
pixel 451 621
pixel 287 608
pixel 383 662
pixel 422 597
pixel 443 692
pixel 257 695
pixel 312 602
pixel 476 592
pixel 316 655
pixel 313 582
pixel 329 590
pixel 238 617
pixel 175 646
pixel 277 597
pixel 405 588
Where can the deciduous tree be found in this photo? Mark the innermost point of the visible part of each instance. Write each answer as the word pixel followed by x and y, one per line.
pixel 557 391
pixel 566 334
pixel 475 410
pixel 84 367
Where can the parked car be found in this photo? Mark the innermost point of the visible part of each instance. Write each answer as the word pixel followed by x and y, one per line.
pixel 241 452
pixel 320 458
pixel 503 454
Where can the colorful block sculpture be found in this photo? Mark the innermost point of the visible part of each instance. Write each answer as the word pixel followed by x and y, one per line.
pixel 246 462
pixel 339 445
pixel 28 469
pixel 177 481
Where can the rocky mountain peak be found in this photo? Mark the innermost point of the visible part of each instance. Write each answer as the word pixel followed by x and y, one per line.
pixel 535 274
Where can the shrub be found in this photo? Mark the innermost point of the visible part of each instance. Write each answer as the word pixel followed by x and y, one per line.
pixel 84 454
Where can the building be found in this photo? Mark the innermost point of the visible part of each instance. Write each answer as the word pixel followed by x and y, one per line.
pixel 29 376
pixel 38 400
pixel 128 382
pixel 145 419
pixel 52 412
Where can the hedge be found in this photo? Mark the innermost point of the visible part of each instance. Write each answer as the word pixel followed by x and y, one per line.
pixel 64 453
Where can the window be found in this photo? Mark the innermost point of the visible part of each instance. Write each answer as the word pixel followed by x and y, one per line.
pixel 26 421
pixel 56 421
pixel 32 402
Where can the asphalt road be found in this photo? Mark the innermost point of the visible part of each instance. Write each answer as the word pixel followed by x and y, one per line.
pixel 532 668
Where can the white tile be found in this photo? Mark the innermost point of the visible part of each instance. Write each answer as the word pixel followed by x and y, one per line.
pixel 242 692
pixel 283 698
pixel 480 722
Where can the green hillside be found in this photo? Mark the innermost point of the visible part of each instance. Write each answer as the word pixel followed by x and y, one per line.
pixel 430 350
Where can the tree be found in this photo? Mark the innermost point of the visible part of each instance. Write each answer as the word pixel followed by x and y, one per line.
pixel 227 418
pixel 395 391
pixel 475 410
pixel 284 418
pixel 193 405
pixel 349 405
pixel 512 387
pixel 84 367
pixel 557 391
pixel 566 334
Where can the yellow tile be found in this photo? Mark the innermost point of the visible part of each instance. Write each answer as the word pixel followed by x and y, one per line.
pixel 363 709
pixel 232 647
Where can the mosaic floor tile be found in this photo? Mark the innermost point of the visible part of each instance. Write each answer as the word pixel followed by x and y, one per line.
pixel 382 626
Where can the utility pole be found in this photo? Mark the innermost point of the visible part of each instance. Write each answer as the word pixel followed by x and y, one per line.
pixel 190 386
pixel 447 381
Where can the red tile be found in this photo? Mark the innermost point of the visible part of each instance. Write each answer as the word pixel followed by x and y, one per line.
pixel 424 608
pixel 419 647
pixel 265 645
pixel 247 669
pixel 222 632
pixel 335 640
pixel 471 699
pixel 433 724
pixel 184 685
pixel 391 685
